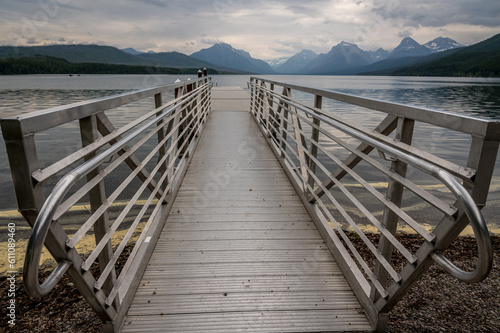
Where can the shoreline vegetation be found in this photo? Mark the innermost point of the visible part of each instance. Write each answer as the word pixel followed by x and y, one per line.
pixel 52 65
pixel 44 64
pixel 435 303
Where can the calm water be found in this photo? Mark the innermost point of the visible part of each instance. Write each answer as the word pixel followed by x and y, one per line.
pixel 471 96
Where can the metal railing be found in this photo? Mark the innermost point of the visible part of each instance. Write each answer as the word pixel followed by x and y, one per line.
pixel 126 216
pixel 322 152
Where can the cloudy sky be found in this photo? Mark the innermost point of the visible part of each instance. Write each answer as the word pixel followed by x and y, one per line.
pixel 267 29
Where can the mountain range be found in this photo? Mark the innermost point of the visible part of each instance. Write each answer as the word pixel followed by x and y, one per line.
pixel 340 56
pixel 110 55
pixel 343 59
pixel 300 60
pixel 223 54
pixel 481 59
pixel 347 58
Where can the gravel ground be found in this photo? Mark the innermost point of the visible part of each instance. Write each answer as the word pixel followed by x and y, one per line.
pixel 436 303
pixel 440 303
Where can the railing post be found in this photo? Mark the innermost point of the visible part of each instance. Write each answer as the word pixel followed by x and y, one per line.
pixel 300 143
pixel 261 103
pixel 171 127
pixel 318 102
pixel 284 132
pixel 23 160
pixel 269 109
pixel 271 115
pixel 97 196
pixel 270 100
pixel 482 158
pixel 161 136
pixel 183 119
pixel 198 114
pixel 253 85
pixel 404 134
pixel 209 96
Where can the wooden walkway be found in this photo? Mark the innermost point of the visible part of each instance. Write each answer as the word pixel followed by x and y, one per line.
pixel 239 251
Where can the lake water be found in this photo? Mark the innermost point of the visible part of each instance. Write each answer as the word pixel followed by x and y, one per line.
pixel 471 96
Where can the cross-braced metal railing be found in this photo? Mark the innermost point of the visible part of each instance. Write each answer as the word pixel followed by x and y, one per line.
pixel 347 190
pixel 126 209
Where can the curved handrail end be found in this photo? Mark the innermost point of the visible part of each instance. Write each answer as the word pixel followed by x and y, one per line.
pixel 32 284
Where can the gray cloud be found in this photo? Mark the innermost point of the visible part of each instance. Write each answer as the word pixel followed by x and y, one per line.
pixel 267 29
pixel 405 33
pixel 431 13
pixel 31 41
pixel 154 3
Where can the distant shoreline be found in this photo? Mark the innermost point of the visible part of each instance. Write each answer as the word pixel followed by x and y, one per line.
pixel 48 65
pixel 54 65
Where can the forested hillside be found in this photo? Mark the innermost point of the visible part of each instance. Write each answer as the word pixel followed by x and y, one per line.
pixel 52 65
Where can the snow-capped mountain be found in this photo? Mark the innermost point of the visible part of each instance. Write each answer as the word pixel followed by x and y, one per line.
pixel 442 44
pixel 343 58
pixel 225 55
pixel 340 57
pixel 274 63
pixel 378 55
pixel 409 48
pixel 297 62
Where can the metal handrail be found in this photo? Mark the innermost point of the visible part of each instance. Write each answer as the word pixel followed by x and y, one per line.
pixel 44 219
pixel 483 239
pixel 453 121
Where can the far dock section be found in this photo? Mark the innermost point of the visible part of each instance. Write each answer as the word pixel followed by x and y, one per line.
pixel 239 252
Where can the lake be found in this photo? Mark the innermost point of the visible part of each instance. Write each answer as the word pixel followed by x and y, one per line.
pixel 471 96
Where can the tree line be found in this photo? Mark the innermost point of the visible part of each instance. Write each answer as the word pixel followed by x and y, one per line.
pixel 467 63
pixel 52 65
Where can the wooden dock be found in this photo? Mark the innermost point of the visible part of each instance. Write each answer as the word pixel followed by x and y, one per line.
pixel 239 252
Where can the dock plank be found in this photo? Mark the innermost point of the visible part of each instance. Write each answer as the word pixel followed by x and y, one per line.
pixel 239 252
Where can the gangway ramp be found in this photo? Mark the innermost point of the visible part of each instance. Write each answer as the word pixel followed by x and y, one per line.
pixel 239 252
